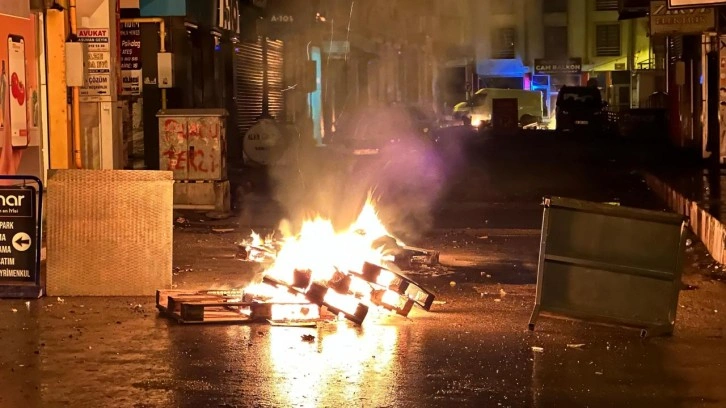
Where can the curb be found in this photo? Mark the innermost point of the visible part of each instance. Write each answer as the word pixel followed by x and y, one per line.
pixel 711 231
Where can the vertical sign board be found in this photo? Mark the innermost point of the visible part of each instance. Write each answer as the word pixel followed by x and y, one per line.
pixel 98 84
pixel 19 260
pixel 131 58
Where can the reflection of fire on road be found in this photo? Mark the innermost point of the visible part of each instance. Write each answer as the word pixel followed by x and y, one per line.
pixel 345 361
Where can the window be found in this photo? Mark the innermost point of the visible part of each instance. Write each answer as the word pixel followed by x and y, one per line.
pixel 555 42
pixel 554 6
pixel 503 40
pixel 607 40
pixel 606 5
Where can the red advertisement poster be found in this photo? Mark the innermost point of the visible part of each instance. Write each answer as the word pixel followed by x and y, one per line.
pixel 19 98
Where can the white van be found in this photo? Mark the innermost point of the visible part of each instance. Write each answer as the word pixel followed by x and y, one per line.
pixel 478 109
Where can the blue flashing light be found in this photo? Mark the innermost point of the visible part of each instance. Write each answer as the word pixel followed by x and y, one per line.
pixel 502 67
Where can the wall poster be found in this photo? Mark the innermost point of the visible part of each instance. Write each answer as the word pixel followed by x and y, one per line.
pixel 19 99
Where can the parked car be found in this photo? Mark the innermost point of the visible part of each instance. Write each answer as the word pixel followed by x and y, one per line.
pixel 477 111
pixel 580 108
pixel 369 130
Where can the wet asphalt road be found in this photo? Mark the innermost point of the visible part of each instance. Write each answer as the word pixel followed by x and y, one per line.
pixel 472 350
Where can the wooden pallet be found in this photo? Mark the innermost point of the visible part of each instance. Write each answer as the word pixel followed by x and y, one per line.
pixel 211 306
pixel 400 284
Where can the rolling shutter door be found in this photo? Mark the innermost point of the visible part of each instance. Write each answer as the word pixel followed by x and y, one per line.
pixel 248 82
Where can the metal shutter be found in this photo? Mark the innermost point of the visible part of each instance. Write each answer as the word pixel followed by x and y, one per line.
pixel 248 78
pixel 275 78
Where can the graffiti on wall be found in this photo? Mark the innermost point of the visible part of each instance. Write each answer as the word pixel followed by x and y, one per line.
pixel 190 147
pixel 19 97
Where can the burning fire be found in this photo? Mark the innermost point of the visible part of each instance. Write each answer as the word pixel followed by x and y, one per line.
pixel 342 270
pixel 323 251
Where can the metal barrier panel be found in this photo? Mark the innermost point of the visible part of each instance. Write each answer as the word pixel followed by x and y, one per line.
pixel 610 264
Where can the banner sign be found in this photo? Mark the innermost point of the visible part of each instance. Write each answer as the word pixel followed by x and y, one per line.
pixel 681 21
pixel 695 3
pixel 20 238
pixel 131 58
pixel 98 83
pixel 550 67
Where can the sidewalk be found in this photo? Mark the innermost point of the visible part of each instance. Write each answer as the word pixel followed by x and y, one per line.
pixel 697 193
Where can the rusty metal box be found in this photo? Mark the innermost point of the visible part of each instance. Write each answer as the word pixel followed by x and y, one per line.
pixel 193 143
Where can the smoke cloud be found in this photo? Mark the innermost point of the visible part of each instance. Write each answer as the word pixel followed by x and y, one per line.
pixel 406 176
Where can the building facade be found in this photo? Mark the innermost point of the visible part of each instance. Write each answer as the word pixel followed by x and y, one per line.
pixel 545 44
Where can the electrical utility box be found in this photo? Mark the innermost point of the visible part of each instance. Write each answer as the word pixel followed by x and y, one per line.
pixel 193 145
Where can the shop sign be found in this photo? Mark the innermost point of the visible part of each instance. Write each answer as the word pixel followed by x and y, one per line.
pixel 97 39
pixel 680 21
pixel 552 67
pixel 336 49
pixel 99 62
pixel 98 83
pixel 694 3
pixel 286 18
pixel 167 8
pixel 228 15
pixel 18 237
pixel 130 59
pixel 261 143
pixel 97 88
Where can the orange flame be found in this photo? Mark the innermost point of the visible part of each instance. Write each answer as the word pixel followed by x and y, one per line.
pixel 318 247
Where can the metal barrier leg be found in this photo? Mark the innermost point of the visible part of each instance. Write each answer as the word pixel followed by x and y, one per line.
pixel 655 331
pixel 533 318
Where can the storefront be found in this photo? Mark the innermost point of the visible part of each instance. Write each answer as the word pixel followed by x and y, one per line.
pixel 693 70
pixel 201 37
pixel 551 75
pixel 21 114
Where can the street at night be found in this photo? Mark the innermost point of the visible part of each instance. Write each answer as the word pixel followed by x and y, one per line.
pixel 472 349
pixel 362 203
